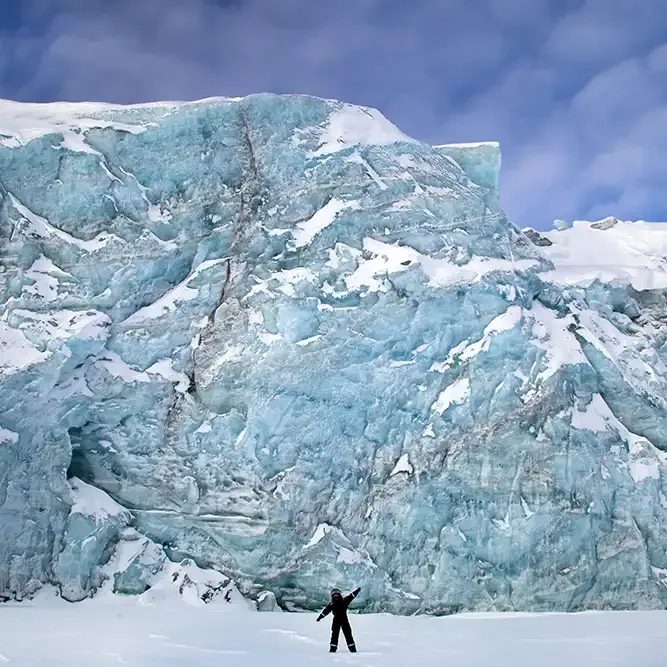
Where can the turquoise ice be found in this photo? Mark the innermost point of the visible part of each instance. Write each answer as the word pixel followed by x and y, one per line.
pixel 284 341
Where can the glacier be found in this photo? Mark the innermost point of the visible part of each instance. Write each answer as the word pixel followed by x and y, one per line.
pixel 276 342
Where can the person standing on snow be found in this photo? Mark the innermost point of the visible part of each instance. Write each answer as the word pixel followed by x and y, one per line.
pixel 338 607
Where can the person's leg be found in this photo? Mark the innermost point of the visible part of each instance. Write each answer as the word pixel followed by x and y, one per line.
pixel 335 631
pixel 347 631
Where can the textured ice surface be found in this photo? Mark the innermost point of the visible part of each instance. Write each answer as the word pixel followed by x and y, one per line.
pixel 94 523
pixel 300 349
pixel 480 161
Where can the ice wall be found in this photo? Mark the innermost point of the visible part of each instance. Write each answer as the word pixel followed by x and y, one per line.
pixel 293 345
pixel 479 161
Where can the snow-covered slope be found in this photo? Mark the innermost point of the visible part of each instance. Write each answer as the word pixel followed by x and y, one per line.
pixel 278 339
pixel 609 251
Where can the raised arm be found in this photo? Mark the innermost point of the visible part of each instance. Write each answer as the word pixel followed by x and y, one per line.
pixel 351 596
pixel 324 612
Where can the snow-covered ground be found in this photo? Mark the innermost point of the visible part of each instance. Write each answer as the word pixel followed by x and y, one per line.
pixel 102 633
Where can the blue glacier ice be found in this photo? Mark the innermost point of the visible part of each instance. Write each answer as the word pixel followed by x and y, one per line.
pixel 278 342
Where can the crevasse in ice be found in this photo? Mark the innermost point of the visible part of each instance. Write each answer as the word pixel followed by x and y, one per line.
pixel 277 338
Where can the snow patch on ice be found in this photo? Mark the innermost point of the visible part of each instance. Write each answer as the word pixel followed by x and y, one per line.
pixel 7 436
pixel 187 582
pixel 443 366
pixel 551 334
pixel 402 465
pixel 473 144
pixel 117 367
pixel 645 460
pixel 16 351
pixel 306 231
pixel 170 301
pixel 504 322
pixel 350 557
pixel 643 468
pixel 356 157
pixel 287 281
pixel 454 394
pixel 320 533
pixel 596 417
pixel 164 369
pixel 350 125
pixel 394 258
pixel 528 513
pixel 465 351
pixel 42 228
pixel 64 324
pixel 93 502
pixel 22 122
pixel 307 341
pixel 46 279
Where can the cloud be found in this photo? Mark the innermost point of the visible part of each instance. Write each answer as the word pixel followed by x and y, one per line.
pixel 600 32
pixel 609 142
pixel 573 89
pixel 582 129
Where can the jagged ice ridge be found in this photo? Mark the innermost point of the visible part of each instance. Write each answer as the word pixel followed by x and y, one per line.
pixel 275 341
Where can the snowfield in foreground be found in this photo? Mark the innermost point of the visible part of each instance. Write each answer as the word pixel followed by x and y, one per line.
pixel 95 633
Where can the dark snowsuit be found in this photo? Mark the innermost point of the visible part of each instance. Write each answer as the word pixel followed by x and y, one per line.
pixel 338 607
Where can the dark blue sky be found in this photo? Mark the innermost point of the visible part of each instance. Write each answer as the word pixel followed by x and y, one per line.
pixel 575 90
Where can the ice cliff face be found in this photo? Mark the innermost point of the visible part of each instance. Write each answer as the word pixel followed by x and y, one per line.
pixel 279 338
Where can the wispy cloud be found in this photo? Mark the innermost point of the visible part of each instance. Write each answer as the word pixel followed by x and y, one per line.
pixel 575 90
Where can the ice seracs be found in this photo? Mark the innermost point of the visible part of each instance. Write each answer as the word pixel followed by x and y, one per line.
pixel 269 345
